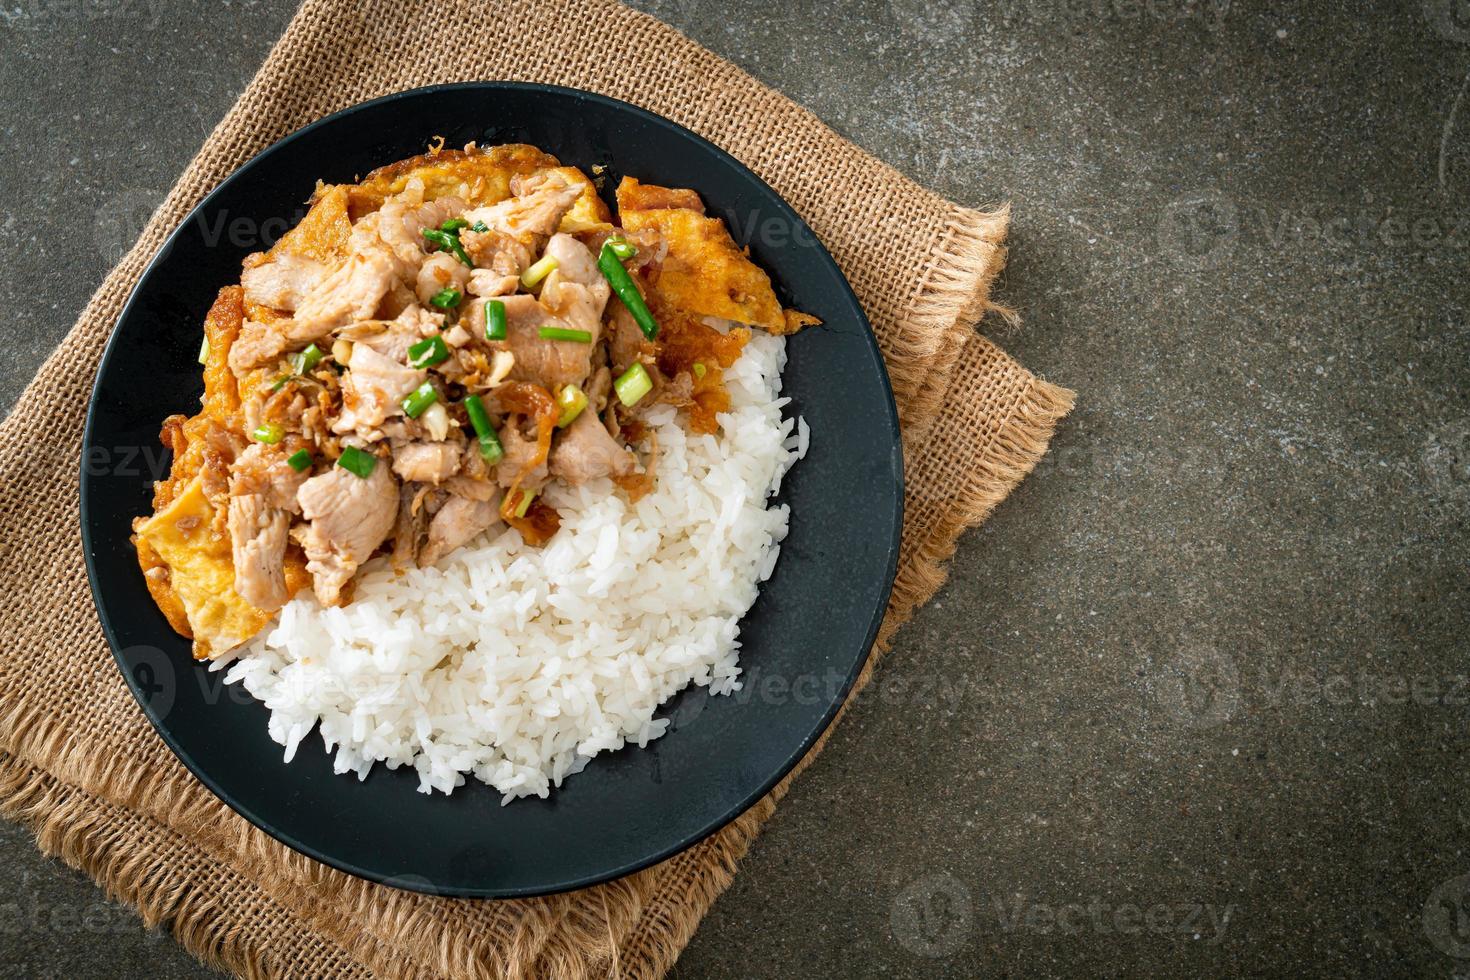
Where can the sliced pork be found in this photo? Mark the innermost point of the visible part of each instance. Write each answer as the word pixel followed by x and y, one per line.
pixel 585 451
pixel 458 522
pixel 519 226
pixel 439 272
pixel 284 281
pixel 258 548
pixel 575 291
pixel 402 220
pixel 393 338
pixel 372 390
pixel 427 462
pixel 352 292
pixel 349 516
pixel 519 451
pixel 548 363
pixel 263 491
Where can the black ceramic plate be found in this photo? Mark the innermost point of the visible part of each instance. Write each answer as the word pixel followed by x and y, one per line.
pixel 802 643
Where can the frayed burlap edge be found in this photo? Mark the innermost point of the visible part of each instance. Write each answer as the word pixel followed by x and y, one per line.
pixel 100 839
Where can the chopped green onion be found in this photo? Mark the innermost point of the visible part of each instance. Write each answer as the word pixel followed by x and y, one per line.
pixel 306 360
pixel 300 461
pixel 446 299
pixel 357 462
pixel 524 503
pixel 480 226
pixel 571 400
pixel 204 351
pixel 539 270
pixel 622 248
pixel 633 385
pixel 428 352
pixel 423 396
pixel 490 448
pixel 699 369
pixel 270 433
pixel 279 383
pixel 495 324
pixel 617 277
pixel 562 333
pixel 448 241
pixel 454 224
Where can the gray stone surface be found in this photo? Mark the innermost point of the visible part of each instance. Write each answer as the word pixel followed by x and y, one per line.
pixel 1194 700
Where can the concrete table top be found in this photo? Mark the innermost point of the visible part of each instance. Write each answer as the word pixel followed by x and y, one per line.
pixel 1195 700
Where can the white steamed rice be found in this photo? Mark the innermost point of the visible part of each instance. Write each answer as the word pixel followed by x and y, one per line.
pixel 519 664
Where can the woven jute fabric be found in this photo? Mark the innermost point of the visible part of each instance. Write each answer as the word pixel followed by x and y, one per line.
pixel 81 766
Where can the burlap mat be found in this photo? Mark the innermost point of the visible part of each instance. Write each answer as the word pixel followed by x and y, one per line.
pixel 80 764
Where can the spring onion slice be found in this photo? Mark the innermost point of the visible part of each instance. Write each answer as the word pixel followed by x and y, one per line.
pixel 490 448
pixel 563 333
pixel 480 226
pixel 524 503
pixel 571 400
pixel 204 351
pixel 300 461
pixel 633 385
pixel 304 361
pixel 428 352
pixel 449 242
pixel 622 248
pixel 270 433
pixel 699 369
pixel 454 224
pixel 617 277
pixel 279 383
pixel 357 462
pixel 422 397
pixel 539 270
pixel 495 323
pixel 446 299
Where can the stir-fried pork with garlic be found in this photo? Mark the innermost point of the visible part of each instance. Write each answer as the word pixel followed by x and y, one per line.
pixel 411 365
